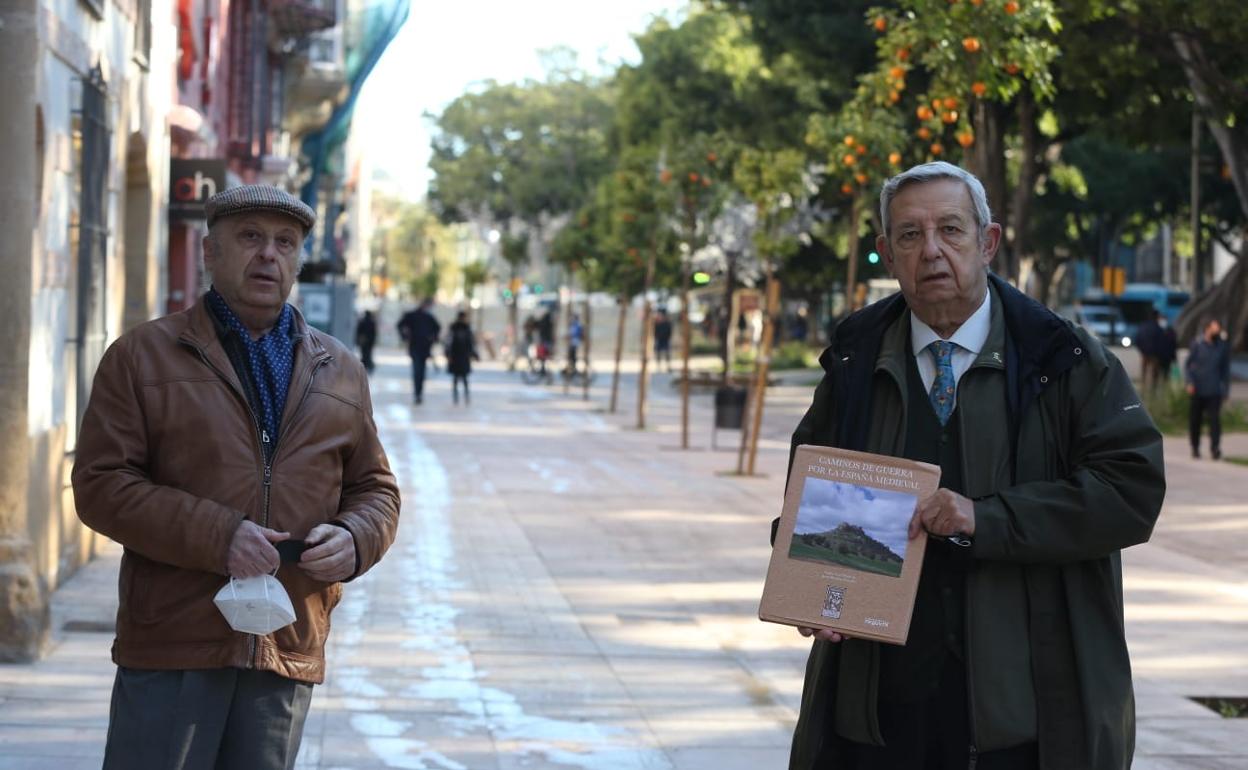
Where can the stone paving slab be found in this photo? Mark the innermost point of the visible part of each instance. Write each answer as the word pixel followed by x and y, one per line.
pixel 569 592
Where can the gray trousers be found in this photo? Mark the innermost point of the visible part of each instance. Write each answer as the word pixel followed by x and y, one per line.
pixel 211 719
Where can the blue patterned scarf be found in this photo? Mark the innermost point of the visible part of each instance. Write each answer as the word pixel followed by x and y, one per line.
pixel 270 359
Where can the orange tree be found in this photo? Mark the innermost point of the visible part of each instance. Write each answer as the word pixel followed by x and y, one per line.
pixel 779 185
pixel 860 147
pixel 635 208
pixel 691 177
pixel 962 73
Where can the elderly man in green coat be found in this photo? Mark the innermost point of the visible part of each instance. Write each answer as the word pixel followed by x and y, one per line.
pixel 1016 657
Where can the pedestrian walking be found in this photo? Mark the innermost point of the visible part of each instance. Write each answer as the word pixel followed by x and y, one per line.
pixel 1167 350
pixel 1016 656
pixel 1148 343
pixel 663 340
pixel 461 351
pixel 420 330
pixel 178 460
pixel 366 338
pixel 545 339
pixel 576 335
pixel 1208 373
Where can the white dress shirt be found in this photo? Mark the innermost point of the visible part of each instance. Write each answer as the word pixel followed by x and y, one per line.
pixel 969 340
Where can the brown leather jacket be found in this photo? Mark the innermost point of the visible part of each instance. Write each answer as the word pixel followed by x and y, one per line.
pixel 169 463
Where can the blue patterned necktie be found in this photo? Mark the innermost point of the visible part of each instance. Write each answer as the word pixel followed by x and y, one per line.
pixel 943 389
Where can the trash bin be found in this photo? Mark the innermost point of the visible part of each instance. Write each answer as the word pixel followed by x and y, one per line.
pixel 729 407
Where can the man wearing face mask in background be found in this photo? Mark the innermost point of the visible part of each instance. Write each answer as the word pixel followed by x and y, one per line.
pixel 1016 658
pixel 230 440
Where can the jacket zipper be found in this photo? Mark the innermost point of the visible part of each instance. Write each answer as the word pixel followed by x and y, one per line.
pixel 972 758
pixel 266 454
pixel 269 454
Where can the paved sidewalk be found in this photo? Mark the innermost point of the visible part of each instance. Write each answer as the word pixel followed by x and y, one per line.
pixel 568 592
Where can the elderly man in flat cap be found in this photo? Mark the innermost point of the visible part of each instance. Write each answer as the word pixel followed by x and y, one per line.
pixel 223 444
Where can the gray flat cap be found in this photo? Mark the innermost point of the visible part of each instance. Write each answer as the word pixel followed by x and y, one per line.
pixel 258 197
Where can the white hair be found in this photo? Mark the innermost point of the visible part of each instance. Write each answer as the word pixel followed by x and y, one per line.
pixel 928 172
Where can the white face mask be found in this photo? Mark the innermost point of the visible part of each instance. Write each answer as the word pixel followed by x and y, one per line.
pixel 255 605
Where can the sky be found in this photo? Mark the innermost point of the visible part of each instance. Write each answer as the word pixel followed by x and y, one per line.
pixel 447 47
pixel 882 514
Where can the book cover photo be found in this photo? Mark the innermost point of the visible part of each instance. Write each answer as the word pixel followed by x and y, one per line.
pixel 842 559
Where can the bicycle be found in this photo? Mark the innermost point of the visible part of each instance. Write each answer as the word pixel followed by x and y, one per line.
pixel 537 370
pixel 578 377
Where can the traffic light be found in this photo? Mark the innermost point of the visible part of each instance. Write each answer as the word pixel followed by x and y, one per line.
pixel 537 288
pixel 1113 280
pixel 873 258
pixel 701 278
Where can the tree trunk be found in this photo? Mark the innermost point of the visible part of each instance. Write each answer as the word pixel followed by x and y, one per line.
pixel 1226 301
pixel 761 368
pixel 619 353
pixel 643 375
pixel 987 162
pixel 725 331
pixel 1025 190
pixel 588 326
pixel 851 269
pixel 691 223
pixel 1231 140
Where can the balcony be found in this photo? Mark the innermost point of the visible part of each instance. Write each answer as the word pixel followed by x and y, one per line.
pixel 296 19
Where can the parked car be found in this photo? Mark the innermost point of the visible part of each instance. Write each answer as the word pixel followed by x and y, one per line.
pixel 1104 320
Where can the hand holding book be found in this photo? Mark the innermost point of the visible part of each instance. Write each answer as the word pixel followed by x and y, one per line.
pixel 944 514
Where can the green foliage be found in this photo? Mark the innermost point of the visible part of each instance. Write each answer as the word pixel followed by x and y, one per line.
pixel 788 355
pixel 1169 411
pixel 406 239
pixel 427 283
pixel 474 274
pixel 521 150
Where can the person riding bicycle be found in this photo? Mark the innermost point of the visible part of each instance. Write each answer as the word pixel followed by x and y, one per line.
pixel 545 338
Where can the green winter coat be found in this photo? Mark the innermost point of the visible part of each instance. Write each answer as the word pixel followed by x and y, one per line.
pixel 1065 468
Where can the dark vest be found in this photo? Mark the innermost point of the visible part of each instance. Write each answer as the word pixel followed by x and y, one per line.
pixel 937 627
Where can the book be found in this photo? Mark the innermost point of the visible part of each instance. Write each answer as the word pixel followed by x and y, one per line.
pixel 842 559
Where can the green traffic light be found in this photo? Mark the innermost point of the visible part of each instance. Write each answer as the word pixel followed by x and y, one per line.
pixel 701 278
pixel 873 258
pixel 537 288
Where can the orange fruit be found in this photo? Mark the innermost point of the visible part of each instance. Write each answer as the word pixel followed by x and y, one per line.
pixel 897 73
pixel 937 148
pixel 849 140
pixel 849 159
pixel 903 53
pixel 860 178
pixel 971 44
pixel 924 133
pixel 711 157
pixel 861 149
pixel 978 88
pixel 966 139
pixel 894 97
pixel 894 158
pixel 1012 68
pixel 950 103
pixel 881 24
pixel 846 189
pixel 1011 8
pixel 950 116
pixel 924 112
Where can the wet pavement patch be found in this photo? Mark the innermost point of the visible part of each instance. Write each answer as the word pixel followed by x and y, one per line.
pixel 1228 707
